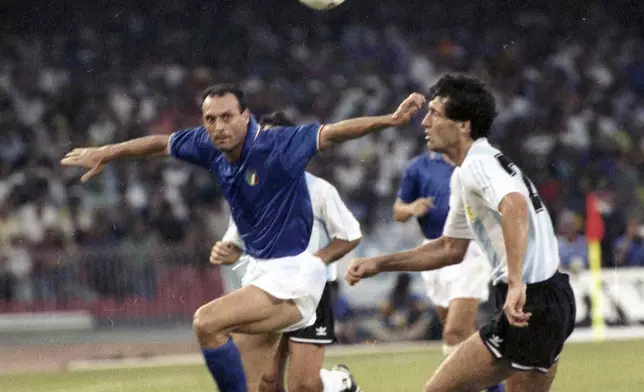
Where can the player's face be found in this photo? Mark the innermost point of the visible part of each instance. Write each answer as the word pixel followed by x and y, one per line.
pixel 225 123
pixel 441 133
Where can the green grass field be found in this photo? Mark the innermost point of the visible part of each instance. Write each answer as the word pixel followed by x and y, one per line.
pixel 606 367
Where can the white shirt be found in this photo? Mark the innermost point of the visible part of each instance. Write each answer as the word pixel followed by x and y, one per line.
pixel 477 187
pixel 331 220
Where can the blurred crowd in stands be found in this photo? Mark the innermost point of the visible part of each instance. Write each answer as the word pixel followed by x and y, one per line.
pixel 570 93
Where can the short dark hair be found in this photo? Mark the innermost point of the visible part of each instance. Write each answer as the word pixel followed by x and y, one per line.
pixel 468 99
pixel 278 119
pixel 219 90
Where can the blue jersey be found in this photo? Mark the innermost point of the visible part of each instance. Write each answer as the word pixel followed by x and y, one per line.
pixel 266 188
pixel 428 175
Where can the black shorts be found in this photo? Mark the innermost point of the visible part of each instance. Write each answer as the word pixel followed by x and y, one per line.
pixel 537 346
pixel 322 331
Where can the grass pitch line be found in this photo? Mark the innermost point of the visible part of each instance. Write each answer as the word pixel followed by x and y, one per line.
pixel 196 359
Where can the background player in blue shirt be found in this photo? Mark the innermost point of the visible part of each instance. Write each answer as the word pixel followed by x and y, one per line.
pixel 261 174
pixel 457 290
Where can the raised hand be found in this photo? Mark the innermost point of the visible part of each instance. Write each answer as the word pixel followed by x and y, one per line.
pixel 410 106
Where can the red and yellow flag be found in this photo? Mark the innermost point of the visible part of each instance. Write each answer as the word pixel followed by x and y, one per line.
pixel 594 235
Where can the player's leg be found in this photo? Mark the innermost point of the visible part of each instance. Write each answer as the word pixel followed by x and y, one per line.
pixel 531 381
pixel 306 352
pixel 304 367
pixel 246 310
pixel 273 377
pixel 257 352
pixel 305 372
pixel 470 368
pixel 460 322
pixel 276 296
pixel 441 313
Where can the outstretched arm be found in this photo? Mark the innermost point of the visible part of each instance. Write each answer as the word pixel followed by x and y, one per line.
pixel 357 127
pixel 95 158
pixel 189 145
pixel 433 255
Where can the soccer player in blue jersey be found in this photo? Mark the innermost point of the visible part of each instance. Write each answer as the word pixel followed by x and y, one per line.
pixel 261 174
pixel 457 290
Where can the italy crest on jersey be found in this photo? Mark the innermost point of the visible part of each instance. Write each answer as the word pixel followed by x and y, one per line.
pixel 251 177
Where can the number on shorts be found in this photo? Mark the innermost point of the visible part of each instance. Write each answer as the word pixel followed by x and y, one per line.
pixel 510 167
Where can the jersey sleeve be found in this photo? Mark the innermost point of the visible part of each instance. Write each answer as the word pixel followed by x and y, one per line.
pixel 487 178
pixel 297 145
pixel 193 146
pixel 456 224
pixel 408 191
pixel 338 220
pixel 232 234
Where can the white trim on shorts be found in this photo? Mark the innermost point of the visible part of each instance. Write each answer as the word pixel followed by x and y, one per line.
pixel 311 341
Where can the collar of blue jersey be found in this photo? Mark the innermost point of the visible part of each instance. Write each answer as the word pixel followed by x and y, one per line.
pixel 251 133
pixel 435 156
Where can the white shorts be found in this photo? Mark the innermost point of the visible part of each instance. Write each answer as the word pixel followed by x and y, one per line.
pixel 469 279
pixel 299 278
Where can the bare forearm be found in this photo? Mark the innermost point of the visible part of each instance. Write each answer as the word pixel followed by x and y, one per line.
pixel 515 225
pixel 353 128
pixel 143 147
pixel 433 255
pixel 402 211
pixel 336 250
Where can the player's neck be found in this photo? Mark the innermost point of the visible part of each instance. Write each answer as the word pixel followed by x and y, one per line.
pixel 235 154
pixel 458 153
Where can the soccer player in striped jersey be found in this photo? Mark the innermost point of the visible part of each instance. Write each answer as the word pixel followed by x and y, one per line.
pixel 261 174
pixel 495 204
pixel 457 290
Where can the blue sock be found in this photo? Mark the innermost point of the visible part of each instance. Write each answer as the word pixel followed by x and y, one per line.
pixel 496 388
pixel 226 367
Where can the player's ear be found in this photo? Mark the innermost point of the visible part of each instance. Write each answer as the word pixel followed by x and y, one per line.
pixel 246 115
pixel 464 128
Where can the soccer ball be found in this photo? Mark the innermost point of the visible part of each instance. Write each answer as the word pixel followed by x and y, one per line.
pixel 321 4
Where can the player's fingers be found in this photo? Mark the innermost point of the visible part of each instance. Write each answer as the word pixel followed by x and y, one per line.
pixel 91 173
pixel 517 318
pixel 220 252
pixel 351 279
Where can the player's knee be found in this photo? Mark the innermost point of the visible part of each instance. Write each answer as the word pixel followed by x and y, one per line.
pixel 270 383
pixel 205 322
pixel 456 334
pixel 305 384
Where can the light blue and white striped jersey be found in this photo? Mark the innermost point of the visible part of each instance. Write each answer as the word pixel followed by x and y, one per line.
pixel 477 187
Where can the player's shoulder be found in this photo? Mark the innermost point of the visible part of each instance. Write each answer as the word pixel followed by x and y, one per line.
pixel 196 133
pixel 417 163
pixel 479 159
pixel 317 184
pixel 419 160
pixel 191 138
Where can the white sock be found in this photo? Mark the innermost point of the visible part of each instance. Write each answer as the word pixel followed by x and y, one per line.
pixel 448 350
pixel 332 380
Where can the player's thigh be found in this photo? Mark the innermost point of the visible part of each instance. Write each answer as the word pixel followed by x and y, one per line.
pixel 257 352
pixel 441 312
pixel 531 381
pixel 246 310
pixel 304 365
pixel 461 318
pixel 470 368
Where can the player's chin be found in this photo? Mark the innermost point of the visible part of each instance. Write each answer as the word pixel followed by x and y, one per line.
pixel 224 147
